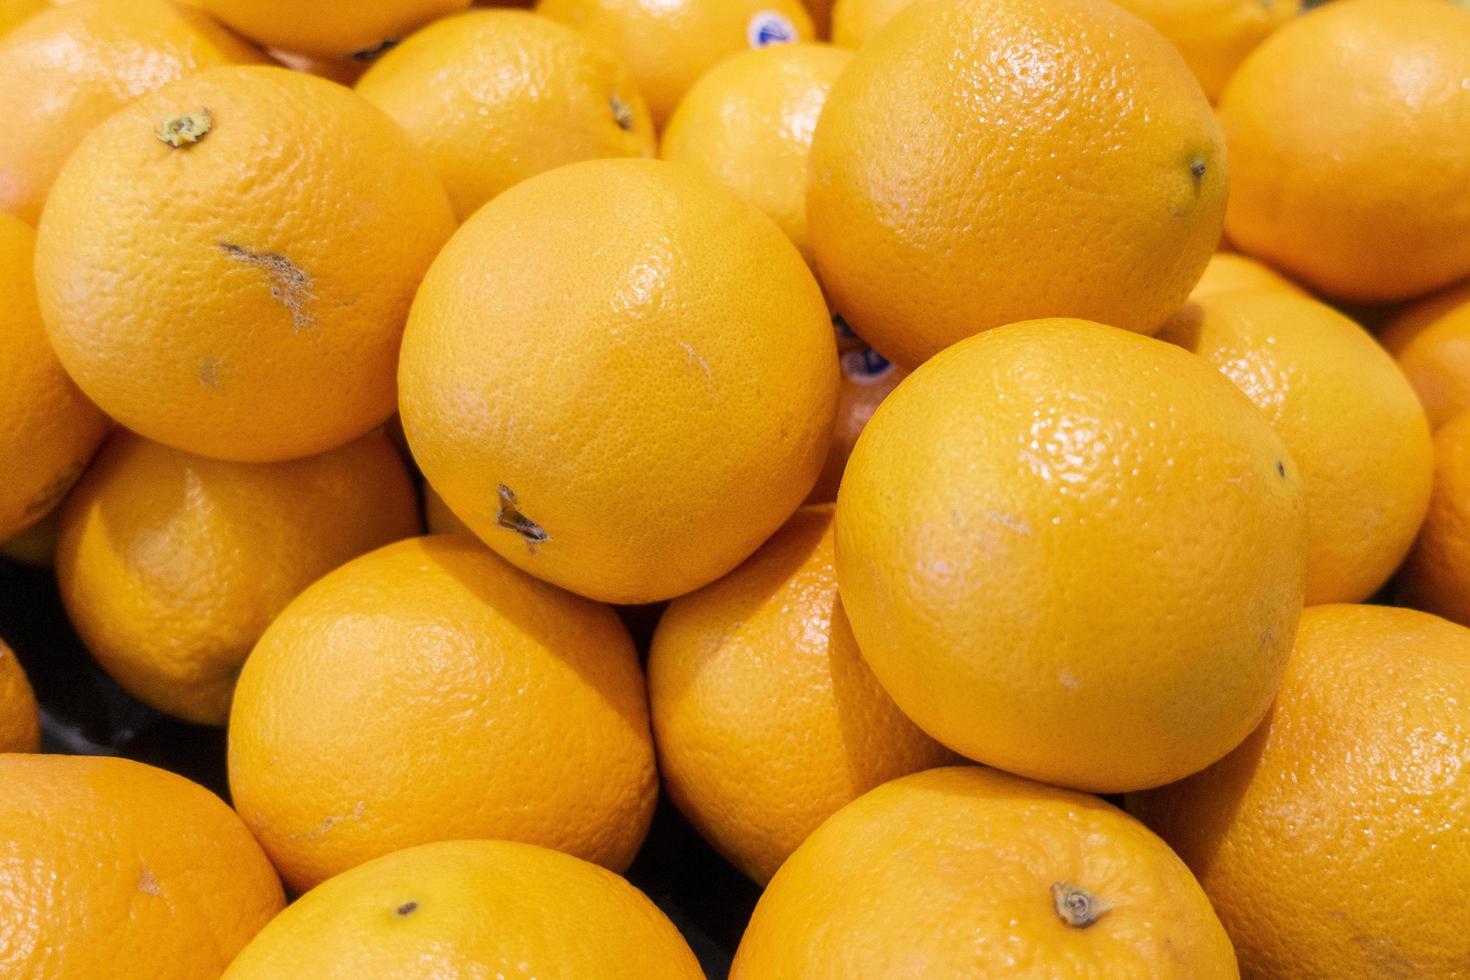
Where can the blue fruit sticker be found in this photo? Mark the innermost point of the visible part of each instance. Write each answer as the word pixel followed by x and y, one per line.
pixel 865 366
pixel 769 27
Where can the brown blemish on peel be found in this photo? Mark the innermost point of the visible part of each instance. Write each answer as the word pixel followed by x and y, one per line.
pixel 511 518
pixel 208 372
pixel 622 115
pixel 290 285
pixel 185 129
pixel 147 883
pixel 1076 906
pixel 407 908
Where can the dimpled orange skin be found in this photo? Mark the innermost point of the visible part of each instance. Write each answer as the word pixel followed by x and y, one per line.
pixel 1436 577
pixel 634 431
pixel 1333 841
pixel 329 28
pixel 489 704
pixel 1431 342
pixel 172 565
pixel 496 96
pixel 1093 577
pixel 1215 36
pixel 867 378
pixel 748 124
pixel 987 161
pixel 71 66
pixel 949 873
pixel 48 429
pixel 1346 412
pixel 116 869
pixel 765 717
pixel 1231 273
pixel 470 908
pixel 297 268
pixel 20 725
pixel 669 44
pixel 1349 135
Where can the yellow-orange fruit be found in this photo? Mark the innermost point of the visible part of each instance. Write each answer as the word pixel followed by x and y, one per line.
pixel 470 908
pixel 116 869
pixel 48 428
pixel 1349 136
pixel 296 267
pixel 765 717
pixel 1074 553
pixel 982 162
pixel 855 22
pixel 496 96
pixel 330 28
pixel 1431 342
pixel 1436 578
pixel 20 725
pixel 172 565
pixel 1228 272
pixel 1346 413
pixel 971 872
pixel 71 66
pixel 438 518
pixel 621 377
pixel 1215 36
pixel 15 12
pixel 748 124
pixel 429 691
pixel 1329 840
pixel 670 44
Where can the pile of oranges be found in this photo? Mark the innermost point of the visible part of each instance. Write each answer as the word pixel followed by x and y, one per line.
pixel 1039 428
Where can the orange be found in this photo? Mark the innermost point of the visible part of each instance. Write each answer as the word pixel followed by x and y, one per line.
pixel 115 869
pixel 1436 577
pixel 438 518
pixel 20 725
pixel 48 429
pixel 296 268
pixel 867 378
pixel 1215 35
pixel 957 185
pixel 669 44
pixel 1074 553
pixel 429 691
pixel 1349 135
pixel 496 96
pixel 971 872
pixel 1431 341
pixel 1231 273
pixel 748 124
pixel 470 908
pixel 1346 413
pixel 765 717
pixel 621 377
pixel 172 565
pixel 15 12
pixel 69 67
pixel 1333 840
pixel 330 28
pixel 854 22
